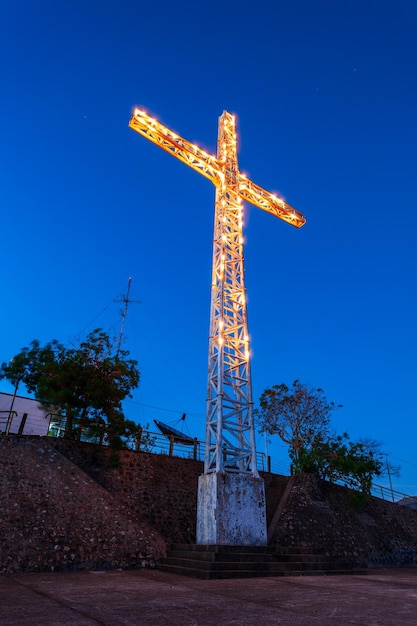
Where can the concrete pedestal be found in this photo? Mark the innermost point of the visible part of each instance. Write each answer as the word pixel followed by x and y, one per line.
pixel 231 510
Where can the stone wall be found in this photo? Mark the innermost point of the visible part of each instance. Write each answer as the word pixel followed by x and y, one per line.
pixel 53 516
pixel 73 505
pixel 160 489
pixel 333 519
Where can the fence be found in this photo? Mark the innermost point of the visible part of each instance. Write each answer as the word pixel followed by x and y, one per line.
pixel 387 493
pixel 154 442
pixel 171 445
pixel 6 418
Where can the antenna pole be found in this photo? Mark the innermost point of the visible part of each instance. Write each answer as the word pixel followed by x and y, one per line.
pixel 126 300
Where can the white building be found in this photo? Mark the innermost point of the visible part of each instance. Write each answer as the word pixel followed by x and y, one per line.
pixel 23 416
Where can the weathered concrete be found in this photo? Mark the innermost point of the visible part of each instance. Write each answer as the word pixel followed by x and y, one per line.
pixel 152 598
pixel 231 510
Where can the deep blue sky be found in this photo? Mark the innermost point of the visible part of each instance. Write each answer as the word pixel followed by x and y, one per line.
pixel 325 93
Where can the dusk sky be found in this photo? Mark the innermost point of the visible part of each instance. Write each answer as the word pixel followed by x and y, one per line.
pixel 325 94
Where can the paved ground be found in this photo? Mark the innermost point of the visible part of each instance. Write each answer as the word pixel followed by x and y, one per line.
pixel 154 598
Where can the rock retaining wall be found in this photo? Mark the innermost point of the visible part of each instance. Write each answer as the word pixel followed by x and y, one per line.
pixel 53 516
pixel 159 489
pixel 333 519
pixel 68 505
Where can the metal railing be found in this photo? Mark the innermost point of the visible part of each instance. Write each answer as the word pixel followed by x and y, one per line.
pixel 154 442
pixel 171 445
pixel 6 418
pixel 387 493
pixel 380 491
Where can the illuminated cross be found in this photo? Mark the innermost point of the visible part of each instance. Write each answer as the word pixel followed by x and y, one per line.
pixel 230 438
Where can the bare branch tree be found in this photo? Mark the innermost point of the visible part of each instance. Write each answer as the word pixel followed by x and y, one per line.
pixel 298 415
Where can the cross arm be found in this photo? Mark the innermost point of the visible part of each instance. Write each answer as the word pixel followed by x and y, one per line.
pixel 187 152
pixel 251 192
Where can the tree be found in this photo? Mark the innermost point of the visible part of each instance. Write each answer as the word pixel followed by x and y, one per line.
pixel 337 458
pixel 87 384
pixel 298 416
pixel 301 418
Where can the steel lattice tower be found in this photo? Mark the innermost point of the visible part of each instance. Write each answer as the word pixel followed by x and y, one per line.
pixel 230 443
pixel 230 440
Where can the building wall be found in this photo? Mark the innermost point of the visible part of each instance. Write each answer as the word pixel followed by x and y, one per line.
pixel 37 418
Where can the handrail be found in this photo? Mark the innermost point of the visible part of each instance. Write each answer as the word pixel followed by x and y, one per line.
pixel 382 492
pixel 157 443
pixel 10 415
pixel 386 493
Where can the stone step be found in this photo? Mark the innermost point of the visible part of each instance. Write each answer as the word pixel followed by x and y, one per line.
pixel 211 557
pixel 218 548
pixel 209 574
pixel 211 561
pixel 250 572
pixel 258 565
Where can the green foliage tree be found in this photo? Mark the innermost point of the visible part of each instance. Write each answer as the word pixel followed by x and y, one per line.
pixel 87 383
pixel 337 458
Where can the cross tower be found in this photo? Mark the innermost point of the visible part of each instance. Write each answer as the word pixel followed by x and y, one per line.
pixel 231 501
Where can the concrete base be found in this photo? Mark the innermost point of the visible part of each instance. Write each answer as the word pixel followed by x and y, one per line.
pixel 231 510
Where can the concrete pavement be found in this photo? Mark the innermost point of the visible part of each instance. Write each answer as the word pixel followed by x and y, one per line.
pixel 149 597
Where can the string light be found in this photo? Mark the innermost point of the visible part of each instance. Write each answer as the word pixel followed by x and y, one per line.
pixel 229 353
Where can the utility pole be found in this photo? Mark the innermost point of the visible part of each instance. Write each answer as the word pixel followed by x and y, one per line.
pixel 125 299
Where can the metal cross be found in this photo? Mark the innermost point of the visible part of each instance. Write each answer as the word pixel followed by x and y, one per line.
pixel 230 439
